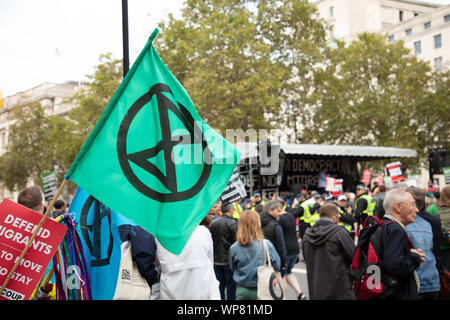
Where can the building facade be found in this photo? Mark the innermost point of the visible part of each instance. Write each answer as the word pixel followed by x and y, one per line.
pixel 52 97
pixel 428 36
pixel 424 28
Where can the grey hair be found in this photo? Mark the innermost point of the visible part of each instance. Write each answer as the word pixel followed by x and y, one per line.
pixel 419 196
pixel 394 196
pixel 226 207
pixel 271 205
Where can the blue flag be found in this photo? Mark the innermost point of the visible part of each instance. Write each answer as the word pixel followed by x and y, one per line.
pixel 98 229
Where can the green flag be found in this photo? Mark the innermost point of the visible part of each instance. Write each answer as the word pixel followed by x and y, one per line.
pixel 152 158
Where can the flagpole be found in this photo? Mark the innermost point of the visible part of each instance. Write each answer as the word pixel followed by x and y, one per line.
pixel 44 217
pixel 126 59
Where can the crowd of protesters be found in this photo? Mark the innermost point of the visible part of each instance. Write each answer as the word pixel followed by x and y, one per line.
pixel 221 258
pixel 322 230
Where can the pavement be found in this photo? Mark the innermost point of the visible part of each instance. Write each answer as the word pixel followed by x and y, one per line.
pixel 299 271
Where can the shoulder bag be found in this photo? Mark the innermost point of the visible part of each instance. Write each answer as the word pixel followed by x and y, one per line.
pixel 269 285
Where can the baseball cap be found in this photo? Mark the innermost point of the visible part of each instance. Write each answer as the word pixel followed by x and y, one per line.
pixel 342 197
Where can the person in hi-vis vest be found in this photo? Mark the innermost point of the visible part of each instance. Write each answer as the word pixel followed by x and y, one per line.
pixel 257 199
pixel 237 209
pixel 364 205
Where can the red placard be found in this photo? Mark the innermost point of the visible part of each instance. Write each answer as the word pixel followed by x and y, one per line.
pixel 366 176
pixel 17 224
pixel 337 187
pixel 380 179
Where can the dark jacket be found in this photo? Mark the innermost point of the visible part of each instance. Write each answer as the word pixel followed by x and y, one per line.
pixel 399 262
pixel 328 250
pixel 379 209
pixel 287 223
pixel 143 250
pixel 273 232
pixel 360 206
pixel 223 232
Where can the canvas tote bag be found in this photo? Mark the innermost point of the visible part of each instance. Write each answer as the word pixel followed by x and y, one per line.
pixel 269 280
pixel 130 284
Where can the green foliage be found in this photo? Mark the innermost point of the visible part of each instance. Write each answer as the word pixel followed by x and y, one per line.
pixel 375 92
pixel 240 59
pixel 39 143
pixel 258 64
pixel 35 146
pixel 92 100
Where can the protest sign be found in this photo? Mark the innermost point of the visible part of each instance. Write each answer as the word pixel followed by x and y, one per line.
pixel 366 176
pixel 395 171
pixel 380 179
pixel 330 184
pixel 446 171
pixel 388 182
pixel 49 185
pixel 337 187
pixel 17 225
pixel 412 181
pixel 234 190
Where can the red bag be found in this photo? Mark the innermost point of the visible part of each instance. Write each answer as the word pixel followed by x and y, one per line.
pixel 366 261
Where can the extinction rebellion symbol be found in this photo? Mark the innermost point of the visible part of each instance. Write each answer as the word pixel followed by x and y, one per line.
pixel 166 145
pixel 95 211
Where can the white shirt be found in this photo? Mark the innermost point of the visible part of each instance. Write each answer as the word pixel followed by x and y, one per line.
pixel 189 275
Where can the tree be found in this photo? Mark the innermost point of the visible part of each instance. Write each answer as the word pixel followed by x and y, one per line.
pixel 240 59
pixel 92 100
pixel 39 143
pixel 298 41
pixel 35 146
pixel 375 92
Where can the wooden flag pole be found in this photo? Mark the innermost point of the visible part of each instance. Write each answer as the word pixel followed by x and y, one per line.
pixel 49 208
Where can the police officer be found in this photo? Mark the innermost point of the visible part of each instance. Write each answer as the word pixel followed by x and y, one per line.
pixel 346 218
pixel 308 213
pixel 257 199
pixel 364 205
pixel 237 209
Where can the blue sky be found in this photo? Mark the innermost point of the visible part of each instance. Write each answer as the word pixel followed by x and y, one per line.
pixel 55 41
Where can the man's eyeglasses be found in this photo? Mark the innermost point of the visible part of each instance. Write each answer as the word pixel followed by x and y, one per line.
pixel 411 204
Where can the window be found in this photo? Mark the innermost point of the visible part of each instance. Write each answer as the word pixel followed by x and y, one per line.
pixel 408 31
pixel 447 18
pixel 437 41
pixel 427 25
pixel 400 15
pixel 331 11
pixel 417 47
pixel 438 63
pixel 391 37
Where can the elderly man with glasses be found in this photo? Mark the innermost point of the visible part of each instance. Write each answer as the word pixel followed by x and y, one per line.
pixel 400 258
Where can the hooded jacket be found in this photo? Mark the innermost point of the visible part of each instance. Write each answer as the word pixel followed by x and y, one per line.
pixel 328 250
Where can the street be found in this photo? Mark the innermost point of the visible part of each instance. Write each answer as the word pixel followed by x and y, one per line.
pixel 299 271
